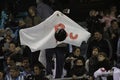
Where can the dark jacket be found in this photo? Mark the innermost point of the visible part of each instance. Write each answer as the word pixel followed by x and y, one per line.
pixel 32 21
pixel 102 44
pixel 104 64
pixel 77 70
pixel 92 65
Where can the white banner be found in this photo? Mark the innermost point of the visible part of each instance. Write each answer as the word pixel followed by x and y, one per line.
pixel 42 37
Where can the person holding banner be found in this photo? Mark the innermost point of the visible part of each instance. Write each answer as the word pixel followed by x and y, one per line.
pixel 42 37
pixel 59 52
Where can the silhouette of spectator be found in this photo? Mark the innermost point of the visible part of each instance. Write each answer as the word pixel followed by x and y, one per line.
pixel 32 19
pixel 44 11
pixel 98 41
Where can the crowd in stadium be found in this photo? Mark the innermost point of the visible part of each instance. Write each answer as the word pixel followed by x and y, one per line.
pixel 102 50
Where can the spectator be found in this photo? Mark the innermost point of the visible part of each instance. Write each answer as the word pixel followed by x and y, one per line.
pixel 107 18
pixel 9 32
pixel 113 12
pixel 99 41
pixel 15 52
pixel 112 34
pixel 93 22
pixel 11 22
pixel 70 59
pixel 21 25
pixel 1 75
pixel 11 50
pixel 17 56
pixel 103 64
pixel 14 74
pixel 103 61
pixel 32 19
pixel 7 40
pixel 91 63
pixel 33 56
pixel 26 69
pixel 39 72
pixel 78 68
pixel 44 11
pixel 9 63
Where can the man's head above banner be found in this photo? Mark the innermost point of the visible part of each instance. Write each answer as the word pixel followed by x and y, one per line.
pixel 56 29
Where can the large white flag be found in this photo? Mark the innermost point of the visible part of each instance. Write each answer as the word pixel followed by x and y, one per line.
pixel 42 37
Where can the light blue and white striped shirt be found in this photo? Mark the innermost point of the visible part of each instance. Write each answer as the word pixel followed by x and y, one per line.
pixel 8 77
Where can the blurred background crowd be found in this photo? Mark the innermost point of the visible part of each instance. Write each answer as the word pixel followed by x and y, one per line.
pixel 100 17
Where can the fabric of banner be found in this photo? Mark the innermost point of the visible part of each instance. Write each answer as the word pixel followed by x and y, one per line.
pixel 41 36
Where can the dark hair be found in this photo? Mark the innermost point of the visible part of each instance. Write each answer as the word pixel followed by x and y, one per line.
pixel 33 8
pixel 25 58
pixel 15 68
pixel 79 59
pixel 60 35
pixel 40 65
pixel 74 48
pixel 14 43
pixel 96 47
pixel 98 32
pixel 103 54
pixel 113 21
